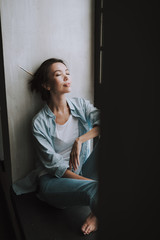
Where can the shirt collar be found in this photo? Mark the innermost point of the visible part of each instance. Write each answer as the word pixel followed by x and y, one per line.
pixel 70 104
pixel 49 112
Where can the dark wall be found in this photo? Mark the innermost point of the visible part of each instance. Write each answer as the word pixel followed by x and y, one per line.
pixel 130 100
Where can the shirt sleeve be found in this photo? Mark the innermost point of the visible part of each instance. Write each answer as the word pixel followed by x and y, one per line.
pixel 92 113
pixel 52 161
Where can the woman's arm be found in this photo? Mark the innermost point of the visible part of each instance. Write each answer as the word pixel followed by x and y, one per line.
pixel 94 132
pixel 69 174
pixel 74 156
pixel 93 117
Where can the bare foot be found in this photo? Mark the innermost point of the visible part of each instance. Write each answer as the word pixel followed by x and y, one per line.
pixel 90 225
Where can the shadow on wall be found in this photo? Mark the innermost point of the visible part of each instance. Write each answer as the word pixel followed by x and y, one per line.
pixel 22 143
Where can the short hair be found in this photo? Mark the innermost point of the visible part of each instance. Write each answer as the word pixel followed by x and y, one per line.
pixel 41 76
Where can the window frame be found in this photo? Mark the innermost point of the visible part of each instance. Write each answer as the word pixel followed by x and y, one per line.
pixel 98 46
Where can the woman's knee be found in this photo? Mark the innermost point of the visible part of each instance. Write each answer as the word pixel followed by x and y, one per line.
pixel 92 189
pixel 77 193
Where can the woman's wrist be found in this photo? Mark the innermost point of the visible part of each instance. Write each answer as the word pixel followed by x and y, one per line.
pixel 69 174
pixel 79 140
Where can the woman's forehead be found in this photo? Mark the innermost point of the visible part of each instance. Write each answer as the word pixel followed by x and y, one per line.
pixel 58 67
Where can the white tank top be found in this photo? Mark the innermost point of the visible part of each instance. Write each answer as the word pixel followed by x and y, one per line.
pixel 66 135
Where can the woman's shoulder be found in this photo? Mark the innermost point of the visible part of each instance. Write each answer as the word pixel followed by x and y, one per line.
pixel 78 101
pixel 41 116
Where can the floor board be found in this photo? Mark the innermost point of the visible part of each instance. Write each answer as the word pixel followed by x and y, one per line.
pixel 43 222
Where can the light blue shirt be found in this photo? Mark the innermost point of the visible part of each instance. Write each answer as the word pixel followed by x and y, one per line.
pixel 43 130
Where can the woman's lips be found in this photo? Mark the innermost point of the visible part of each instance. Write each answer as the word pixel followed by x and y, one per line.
pixel 67 84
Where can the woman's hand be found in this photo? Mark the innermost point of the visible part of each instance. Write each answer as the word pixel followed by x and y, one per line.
pixel 74 155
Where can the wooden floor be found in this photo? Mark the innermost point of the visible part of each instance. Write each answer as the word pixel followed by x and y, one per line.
pixel 39 221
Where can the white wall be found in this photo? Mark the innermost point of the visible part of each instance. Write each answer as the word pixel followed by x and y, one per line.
pixel 32 31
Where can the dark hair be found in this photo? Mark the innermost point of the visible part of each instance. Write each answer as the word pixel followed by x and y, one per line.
pixel 41 76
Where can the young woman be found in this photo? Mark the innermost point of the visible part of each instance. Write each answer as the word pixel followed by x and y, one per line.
pixel 61 130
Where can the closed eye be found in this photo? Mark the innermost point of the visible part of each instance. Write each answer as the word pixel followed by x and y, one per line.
pixel 58 74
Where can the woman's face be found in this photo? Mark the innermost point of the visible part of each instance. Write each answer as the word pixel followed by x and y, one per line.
pixel 59 81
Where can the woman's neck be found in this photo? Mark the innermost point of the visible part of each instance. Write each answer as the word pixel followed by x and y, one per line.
pixel 58 103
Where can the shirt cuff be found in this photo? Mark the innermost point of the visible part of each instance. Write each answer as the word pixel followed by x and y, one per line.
pixel 97 123
pixel 60 171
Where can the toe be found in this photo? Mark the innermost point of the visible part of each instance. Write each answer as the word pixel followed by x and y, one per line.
pixel 84 227
pixel 88 230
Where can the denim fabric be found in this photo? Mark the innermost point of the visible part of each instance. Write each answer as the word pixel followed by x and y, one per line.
pixel 43 130
pixel 67 192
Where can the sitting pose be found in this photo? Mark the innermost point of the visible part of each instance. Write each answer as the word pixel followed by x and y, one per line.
pixel 61 130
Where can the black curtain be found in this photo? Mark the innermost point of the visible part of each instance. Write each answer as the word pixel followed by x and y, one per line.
pixel 129 189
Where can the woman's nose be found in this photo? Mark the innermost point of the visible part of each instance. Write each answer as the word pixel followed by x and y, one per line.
pixel 65 77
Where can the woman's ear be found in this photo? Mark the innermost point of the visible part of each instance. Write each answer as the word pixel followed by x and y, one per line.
pixel 45 85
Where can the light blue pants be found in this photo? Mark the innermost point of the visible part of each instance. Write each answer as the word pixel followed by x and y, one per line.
pixel 67 192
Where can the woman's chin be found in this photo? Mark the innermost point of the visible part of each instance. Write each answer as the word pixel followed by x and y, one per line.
pixel 68 90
